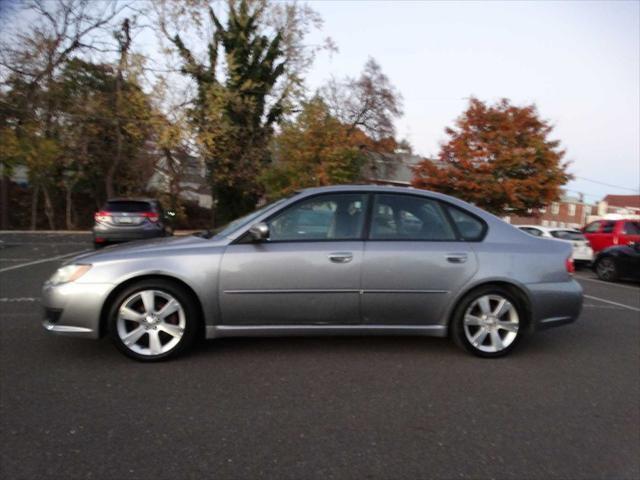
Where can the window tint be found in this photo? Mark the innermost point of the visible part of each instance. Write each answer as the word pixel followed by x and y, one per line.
pixel 532 231
pixel 127 206
pixel 407 217
pixel 632 228
pixel 470 228
pixel 593 227
pixel 327 217
pixel 608 227
pixel 567 235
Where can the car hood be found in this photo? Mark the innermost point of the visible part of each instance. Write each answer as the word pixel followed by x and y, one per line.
pixel 147 247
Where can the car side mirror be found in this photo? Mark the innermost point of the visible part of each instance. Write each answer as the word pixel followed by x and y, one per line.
pixel 259 232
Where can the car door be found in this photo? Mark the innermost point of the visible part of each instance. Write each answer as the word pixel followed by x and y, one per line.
pixel 594 235
pixel 415 259
pixel 629 232
pixel 307 272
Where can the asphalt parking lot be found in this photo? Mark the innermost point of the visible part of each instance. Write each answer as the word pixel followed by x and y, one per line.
pixel 565 405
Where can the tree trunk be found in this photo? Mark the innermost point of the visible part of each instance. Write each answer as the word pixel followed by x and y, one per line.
pixel 124 41
pixel 68 208
pixel 48 209
pixel 4 200
pixel 34 206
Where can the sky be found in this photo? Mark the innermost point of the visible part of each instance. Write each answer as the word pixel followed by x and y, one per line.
pixel 579 62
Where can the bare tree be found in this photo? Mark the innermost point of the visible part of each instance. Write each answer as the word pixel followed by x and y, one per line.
pixel 370 102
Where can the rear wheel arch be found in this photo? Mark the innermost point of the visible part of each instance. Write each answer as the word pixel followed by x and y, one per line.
pixel 514 289
pixel 104 312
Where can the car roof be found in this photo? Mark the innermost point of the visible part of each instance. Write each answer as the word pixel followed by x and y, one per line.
pixel 539 227
pixel 550 229
pixel 132 199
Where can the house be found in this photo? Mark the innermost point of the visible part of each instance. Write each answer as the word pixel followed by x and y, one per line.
pixel 191 173
pixel 619 205
pixel 569 212
pixel 390 168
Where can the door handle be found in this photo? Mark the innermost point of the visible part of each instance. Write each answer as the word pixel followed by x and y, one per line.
pixel 341 257
pixel 456 257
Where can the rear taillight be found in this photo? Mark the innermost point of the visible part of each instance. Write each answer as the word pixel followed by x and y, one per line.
pixel 101 216
pixel 152 216
pixel 571 268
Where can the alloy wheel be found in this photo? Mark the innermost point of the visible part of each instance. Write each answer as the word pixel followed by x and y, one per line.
pixel 491 323
pixel 606 269
pixel 150 322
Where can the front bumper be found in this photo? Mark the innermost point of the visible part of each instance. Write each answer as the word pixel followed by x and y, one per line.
pixel 74 308
pixel 555 304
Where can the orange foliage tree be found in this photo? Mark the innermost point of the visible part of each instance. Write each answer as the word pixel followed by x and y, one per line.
pixel 499 158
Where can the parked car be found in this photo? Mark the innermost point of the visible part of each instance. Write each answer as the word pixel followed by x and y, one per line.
pixel 606 233
pixel 333 260
pixel 124 219
pixel 618 263
pixel 582 252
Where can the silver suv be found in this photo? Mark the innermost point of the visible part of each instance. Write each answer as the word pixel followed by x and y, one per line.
pixel 124 219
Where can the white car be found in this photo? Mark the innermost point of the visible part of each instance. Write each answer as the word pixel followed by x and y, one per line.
pixel 582 251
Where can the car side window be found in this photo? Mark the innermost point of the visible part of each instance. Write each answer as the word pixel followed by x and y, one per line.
pixel 408 217
pixel 608 227
pixel 632 228
pixel 469 227
pixel 326 217
pixel 592 227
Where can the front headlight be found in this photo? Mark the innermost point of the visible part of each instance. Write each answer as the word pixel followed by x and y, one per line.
pixel 68 273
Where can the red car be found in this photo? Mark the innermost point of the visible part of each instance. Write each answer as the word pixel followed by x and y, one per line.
pixel 606 233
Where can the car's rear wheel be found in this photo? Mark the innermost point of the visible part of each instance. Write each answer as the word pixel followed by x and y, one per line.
pixel 489 322
pixel 153 320
pixel 606 269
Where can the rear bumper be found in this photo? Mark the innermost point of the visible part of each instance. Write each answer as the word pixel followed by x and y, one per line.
pixel 123 234
pixel 554 304
pixel 582 255
pixel 74 308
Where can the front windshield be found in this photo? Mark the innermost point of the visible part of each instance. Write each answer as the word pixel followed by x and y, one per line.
pixel 229 228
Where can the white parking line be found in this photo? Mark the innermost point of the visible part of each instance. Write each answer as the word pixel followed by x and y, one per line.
pixel 616 285
pixel 44 260
pixel 622 305
pixel 19 299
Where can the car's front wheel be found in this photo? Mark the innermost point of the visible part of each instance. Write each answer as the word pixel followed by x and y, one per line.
pixel 488 322
pixel 153 320
pixel 606 269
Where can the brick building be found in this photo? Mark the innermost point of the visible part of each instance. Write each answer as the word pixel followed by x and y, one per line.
pixel 569 212
pixel 623 205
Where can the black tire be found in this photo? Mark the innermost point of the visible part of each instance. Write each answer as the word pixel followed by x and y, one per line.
pixel 457 330
pixel 607 270
pixel 179 293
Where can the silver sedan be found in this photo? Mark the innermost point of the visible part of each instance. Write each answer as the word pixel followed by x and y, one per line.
pixel 357 260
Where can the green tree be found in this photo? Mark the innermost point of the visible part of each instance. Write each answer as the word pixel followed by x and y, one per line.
pixel 312 150
pixel 238 102
pixel 103 117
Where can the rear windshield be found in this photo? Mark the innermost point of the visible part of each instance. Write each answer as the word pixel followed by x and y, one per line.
pixel 127 206
pixel 567 234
